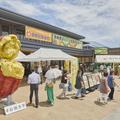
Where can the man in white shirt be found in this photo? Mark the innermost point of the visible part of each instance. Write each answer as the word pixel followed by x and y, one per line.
pixel 34 80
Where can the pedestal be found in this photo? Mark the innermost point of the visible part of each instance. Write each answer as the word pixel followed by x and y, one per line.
pixel 8 106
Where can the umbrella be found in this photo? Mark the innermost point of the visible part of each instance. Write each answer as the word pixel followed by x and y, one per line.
pixel 57 73
pixel 53 74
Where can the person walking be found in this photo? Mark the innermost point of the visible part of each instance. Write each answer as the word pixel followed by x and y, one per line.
pixel 82 69
pixel 64 85
pixel 79 84
pixel 104 88
pixel 34 81
pixel 50 80
pixel 111 84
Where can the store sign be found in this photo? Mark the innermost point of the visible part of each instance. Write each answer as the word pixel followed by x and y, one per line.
pixel 108 58
pixel 66 41
pixel 37 34
pixel 14 108
pixel 101 51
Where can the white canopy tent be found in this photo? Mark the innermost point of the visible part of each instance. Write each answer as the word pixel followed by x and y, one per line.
pixel 44 54
pixel 20 55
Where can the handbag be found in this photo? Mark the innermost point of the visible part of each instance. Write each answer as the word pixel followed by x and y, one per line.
pixel 69 86
pixel 104 88
pixel 50 85
pixel 60 86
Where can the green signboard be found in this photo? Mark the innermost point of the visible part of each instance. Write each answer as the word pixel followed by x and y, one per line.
pixel 101 51
pixel 66 41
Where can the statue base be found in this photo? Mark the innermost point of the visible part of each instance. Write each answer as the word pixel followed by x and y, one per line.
pixel 9 107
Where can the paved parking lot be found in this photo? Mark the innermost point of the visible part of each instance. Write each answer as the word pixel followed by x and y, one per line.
pixel 68 109
pixel 115 115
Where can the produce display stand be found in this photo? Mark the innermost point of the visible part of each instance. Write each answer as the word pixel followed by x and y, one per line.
pixel 91 82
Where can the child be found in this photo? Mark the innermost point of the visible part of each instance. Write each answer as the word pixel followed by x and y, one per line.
pixel 64 81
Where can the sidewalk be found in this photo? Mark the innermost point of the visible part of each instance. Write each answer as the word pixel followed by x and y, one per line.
pixel 115 115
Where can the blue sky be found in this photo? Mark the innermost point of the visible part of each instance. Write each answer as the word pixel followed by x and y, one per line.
pixel 97 20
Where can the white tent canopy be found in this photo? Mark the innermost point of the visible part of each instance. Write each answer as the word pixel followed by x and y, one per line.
pixel 20 55
pixel 44 54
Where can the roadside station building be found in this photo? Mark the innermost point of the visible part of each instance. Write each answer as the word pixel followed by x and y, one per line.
pixel 35 34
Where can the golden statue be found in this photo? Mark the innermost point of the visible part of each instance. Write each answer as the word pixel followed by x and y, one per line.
pixel 11 71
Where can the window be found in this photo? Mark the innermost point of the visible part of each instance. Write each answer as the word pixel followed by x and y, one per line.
pixel 20 33
pixel 5 30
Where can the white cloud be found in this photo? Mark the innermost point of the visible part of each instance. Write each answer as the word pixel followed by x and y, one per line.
pixel 98 20
pixel 22 7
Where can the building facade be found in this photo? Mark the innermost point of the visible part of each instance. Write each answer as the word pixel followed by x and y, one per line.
pixel 114 51
pixel 35 34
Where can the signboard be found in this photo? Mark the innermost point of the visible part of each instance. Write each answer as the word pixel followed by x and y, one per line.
pixel 91 83
pixel 58 39
pixel 14 108
pixel 37 34
pixel 85 80
pixel 108 58
pixel 101 51
pixel 97 78
pixel 67 41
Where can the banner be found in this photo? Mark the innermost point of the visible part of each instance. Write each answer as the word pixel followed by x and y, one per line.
pixel 37 34
pixel 101 51
pixel 108 58
pixel 74 70
pixel 67 41
pixel 66 65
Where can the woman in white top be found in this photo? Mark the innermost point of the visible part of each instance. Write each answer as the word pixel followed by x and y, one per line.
pixel 50 79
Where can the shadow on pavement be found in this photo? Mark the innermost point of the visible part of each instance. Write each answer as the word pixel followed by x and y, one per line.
pixel 70 94
pixel 30 104
pixel 63 98
pixel 73 97
pixel 99 103
pixel 45 104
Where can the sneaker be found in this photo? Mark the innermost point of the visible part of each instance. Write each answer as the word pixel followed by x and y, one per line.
pixel 83 95
pixel 52 103
pixel 36 106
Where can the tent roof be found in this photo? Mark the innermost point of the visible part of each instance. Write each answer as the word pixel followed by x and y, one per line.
pixel 20 55
pixel 44 54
